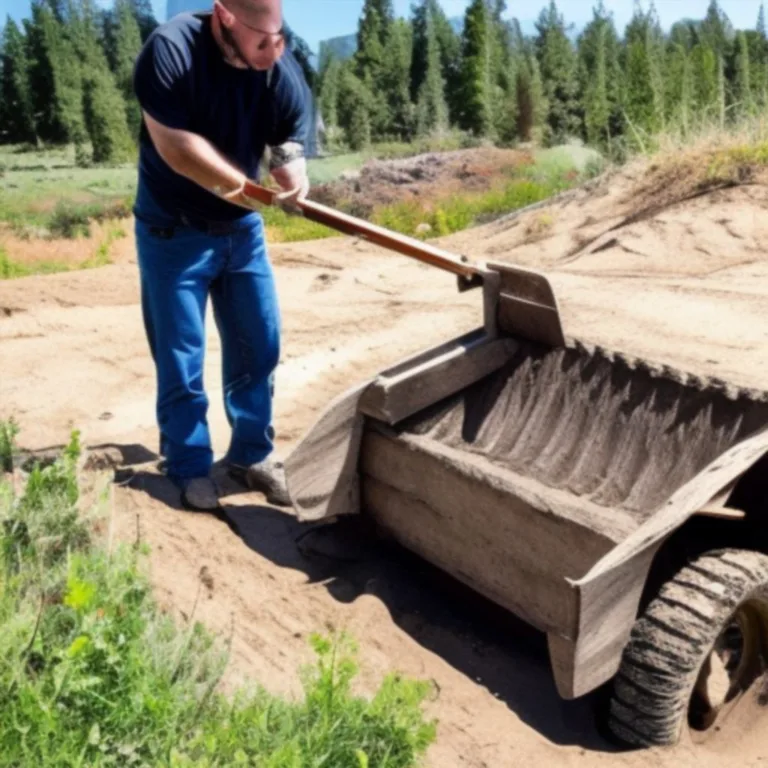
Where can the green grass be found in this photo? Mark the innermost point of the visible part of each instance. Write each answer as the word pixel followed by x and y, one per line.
pixel 93 674
pixel 283 227
pixel 454 214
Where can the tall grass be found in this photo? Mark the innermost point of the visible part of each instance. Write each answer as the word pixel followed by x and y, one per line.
pixel 93 674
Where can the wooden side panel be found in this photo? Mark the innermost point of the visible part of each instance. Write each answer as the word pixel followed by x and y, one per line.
pixel 321 472
pixel 474 526
pixel 393 398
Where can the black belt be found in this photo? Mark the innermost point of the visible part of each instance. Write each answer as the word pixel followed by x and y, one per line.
pixel 205 226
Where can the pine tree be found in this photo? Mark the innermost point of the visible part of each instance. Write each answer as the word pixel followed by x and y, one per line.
pixel 716 30
pixel 557 60
pixel 102 105
pixel 16 115
pixel 329 78
pixel 644 76
pixel 742 87
pixel 431 109
pixel 55 78
pixel 477 114
pixel 704 66
pixel 597 111
pixel 679 96
pixel 354 108
pixel 601 77
pixel 394 82
pixel 370 51
pixel 127 45
pixel 531 101
pixel 450 62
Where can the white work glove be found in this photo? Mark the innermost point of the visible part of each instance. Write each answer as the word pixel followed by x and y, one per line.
pixel 288 167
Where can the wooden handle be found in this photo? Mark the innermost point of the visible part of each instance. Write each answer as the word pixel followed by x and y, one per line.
pixel 349 225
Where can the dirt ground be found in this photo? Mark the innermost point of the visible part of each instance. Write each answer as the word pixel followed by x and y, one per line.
pixel 686 286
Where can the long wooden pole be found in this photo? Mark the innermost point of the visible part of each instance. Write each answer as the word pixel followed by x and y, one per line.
pixel 349 225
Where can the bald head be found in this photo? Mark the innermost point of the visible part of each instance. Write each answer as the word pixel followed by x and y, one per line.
pixel 266 15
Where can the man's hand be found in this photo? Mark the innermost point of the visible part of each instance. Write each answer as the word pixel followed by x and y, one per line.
pixel 289 169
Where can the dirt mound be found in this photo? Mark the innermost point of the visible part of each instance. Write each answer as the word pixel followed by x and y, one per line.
pixel 430 176
pixel 686 286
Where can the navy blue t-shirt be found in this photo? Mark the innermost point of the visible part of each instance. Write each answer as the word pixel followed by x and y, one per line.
pixel 182 80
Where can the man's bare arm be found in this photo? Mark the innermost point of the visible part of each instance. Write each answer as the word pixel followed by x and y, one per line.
pixel 194 157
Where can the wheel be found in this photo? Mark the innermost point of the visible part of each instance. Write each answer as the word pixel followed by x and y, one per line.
pixel 697 658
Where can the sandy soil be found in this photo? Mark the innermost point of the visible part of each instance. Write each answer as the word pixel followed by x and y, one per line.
pixel 687 286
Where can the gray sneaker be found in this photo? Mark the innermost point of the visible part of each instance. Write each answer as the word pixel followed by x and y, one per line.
pixel 199 494
pixel 267 477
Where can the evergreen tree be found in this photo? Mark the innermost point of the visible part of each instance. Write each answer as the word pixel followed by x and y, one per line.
pixel 450 62
pixel 354 108
pixel 531 100
pixel 601 76
pixel 329 79
pixel 127 44
pixel 742 87
pixel 394 82
pixel 370 50
pixel 476 114
pixel 432 109
pixel 557 60
pixel 644 75
pixel 16 116
pixel 705 67
pixel 679 96
pixel 55 78
pixel 716 30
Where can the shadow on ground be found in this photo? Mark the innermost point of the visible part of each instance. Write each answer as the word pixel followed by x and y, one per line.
pixel 478 638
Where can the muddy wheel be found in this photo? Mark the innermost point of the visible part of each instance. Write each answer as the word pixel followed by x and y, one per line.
pixel 695 666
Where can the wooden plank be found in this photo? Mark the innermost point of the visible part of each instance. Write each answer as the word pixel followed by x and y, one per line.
pixel 467 360
pixel 508 537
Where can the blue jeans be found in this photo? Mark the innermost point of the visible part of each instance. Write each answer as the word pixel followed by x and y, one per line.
pixel 178 273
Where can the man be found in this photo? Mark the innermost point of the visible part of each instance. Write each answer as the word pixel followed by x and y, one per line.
pixel 216 90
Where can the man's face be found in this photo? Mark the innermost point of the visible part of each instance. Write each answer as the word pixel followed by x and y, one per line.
pixel 253 38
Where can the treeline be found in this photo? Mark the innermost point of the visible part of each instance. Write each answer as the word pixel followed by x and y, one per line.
pixel 66 76
pixel 409 78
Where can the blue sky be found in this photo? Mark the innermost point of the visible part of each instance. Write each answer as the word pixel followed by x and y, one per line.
pixel 316 20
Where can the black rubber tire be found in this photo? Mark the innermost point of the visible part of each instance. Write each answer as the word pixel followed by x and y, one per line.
pixel 672 640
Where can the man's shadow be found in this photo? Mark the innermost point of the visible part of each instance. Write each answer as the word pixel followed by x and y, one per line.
pixel 478 638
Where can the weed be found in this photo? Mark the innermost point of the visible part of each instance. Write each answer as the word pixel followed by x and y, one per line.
pixel 93 673
pixel 8 431
pixel 69 220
